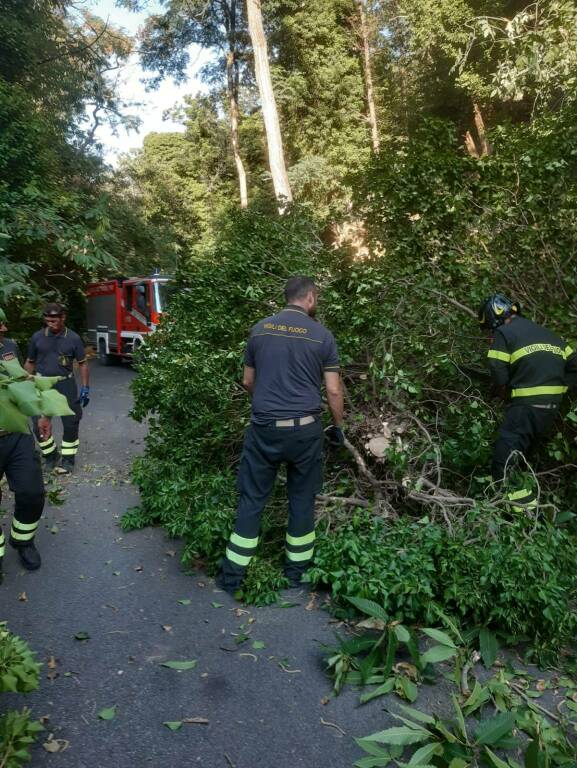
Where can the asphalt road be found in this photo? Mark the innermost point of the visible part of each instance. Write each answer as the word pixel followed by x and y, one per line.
pixel 267 701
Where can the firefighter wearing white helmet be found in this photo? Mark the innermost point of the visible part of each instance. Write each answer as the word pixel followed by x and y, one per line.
pixel 534 367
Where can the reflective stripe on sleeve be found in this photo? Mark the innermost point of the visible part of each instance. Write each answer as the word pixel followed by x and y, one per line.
pixel 531 391
pixel 2 543
pixel 494 354
pixel 568 351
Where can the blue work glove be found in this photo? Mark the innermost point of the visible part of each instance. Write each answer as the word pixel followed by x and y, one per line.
pixel 335 435
pixel 84 398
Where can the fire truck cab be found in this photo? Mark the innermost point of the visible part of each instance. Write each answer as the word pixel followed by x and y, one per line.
pixel 122 312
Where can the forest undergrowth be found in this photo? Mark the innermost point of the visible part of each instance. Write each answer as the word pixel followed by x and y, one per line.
pixel 408 517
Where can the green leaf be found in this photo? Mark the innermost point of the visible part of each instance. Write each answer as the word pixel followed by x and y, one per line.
pixel 497 762
pixel 460 718
pixel 438 653
pixel 180 665
pixel 217 605
pixel 402 633
pixel 401 735
pixel 52 403
pixel 369 607
pixel 82 636
pixel 458 762
pixel 373 762
pixel 108 713
pixel 25 397
pixel 372 748
pixel 185 602
pixel 382 690
pixel 491 731
pixel 416 714
pixel 173 725
pixel 408 688
pixel 424 754
pixel 258 645
pixel 392 644
pixel 488 647
pixel 440 637
pixel 479 695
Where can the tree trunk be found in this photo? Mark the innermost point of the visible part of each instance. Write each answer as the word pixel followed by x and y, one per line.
pixel 478 147
pixel 364 32
pixel 268 103
pixel 232 88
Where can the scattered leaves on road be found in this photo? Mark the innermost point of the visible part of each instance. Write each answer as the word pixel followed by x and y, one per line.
pixel 180 665
pixel 55 745
pixel 185 602
pixel 173 725
pixel 196 720
pixel 217 605
pixel 258 644
pixel 23 597
pixel 82 636
pixel 108 713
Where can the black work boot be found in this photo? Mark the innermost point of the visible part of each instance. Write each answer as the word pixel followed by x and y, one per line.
pixel 51 460
pixel 28 554
pixel 66 465
pixel 227 584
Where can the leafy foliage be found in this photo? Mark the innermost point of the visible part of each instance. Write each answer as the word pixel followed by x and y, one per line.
pixel 19 673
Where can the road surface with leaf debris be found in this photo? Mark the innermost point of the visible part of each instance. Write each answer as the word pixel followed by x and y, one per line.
pixel 144 663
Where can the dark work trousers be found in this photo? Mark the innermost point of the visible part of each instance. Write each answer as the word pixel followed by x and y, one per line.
pixel 522 429
pixel 20 462
pixel 70 424
pixel 265 449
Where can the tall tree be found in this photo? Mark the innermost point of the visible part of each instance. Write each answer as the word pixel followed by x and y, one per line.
pixel 215 25
pixel 276 156
pixel 54 91
pixel 364 36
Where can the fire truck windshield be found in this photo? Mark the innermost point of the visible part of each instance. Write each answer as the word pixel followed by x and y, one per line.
pixel 164 292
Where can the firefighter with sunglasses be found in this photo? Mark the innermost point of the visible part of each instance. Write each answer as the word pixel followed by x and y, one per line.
pixel 52 352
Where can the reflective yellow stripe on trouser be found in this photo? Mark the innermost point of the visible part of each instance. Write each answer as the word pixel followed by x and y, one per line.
pixel 23 531
pixel 48 446
pixel 2 543
pixel 300 549
pixel 525 496
pixel 240 550
pixel 70 449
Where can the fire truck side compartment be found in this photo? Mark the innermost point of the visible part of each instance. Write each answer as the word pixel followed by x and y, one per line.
pixel 101 313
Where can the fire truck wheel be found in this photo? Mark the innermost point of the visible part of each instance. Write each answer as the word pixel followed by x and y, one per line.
pixel 103 357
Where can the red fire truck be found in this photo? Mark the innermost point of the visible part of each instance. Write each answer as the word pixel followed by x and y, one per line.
pixel 122 312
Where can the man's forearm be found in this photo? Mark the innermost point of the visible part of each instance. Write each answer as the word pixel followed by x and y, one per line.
pixel 84 374
pixel 336 406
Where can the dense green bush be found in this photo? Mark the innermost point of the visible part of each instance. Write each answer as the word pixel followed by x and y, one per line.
pixel 19 673
pixel 444 230
pixel 513 575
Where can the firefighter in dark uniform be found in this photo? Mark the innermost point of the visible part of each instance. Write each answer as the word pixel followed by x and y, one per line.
pixel 52 352
pixel 20 462
pixel 287 357
pixel 535 367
